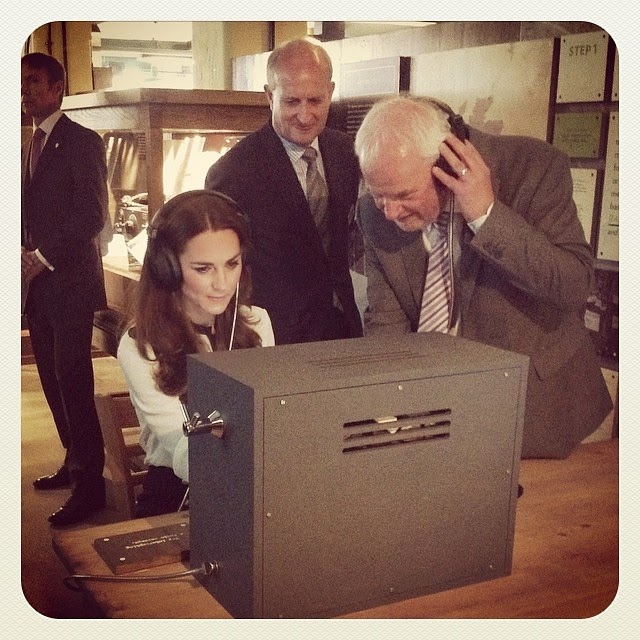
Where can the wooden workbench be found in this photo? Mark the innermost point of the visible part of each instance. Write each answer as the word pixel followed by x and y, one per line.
pixel 565 559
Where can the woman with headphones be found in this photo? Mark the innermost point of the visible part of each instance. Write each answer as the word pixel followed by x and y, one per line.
pixel 193 296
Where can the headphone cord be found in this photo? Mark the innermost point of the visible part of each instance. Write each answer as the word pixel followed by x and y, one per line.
pixel 235 316
pixel 72 581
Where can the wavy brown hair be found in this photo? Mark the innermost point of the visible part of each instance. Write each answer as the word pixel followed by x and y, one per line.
pixel 158 317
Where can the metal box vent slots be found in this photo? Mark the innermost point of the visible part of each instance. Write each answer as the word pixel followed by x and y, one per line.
pixel 353 473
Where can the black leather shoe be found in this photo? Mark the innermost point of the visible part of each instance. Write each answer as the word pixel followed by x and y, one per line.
pixel 78 507
pixel 56 480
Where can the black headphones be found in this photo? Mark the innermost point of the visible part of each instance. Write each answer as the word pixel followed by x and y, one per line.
pixel 458 127
pixel 160 259
pixel 457 124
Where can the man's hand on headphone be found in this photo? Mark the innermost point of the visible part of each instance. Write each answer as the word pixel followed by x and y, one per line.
pixel 472 186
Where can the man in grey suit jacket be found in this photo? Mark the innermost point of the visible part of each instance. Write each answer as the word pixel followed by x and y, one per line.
pixel 63 208
pixel 522 269
pixel 300 272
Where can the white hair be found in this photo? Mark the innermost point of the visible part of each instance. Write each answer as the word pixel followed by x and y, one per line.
pixel 405 124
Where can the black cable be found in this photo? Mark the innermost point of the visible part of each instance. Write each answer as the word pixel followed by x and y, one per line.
pixel 71 581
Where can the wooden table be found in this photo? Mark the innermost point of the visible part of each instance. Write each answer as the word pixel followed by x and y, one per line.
pixel 565 560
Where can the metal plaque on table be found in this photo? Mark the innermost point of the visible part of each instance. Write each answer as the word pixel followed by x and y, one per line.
pixel 137 550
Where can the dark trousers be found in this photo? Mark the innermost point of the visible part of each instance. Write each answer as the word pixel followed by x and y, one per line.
pixel 62 350
pixel 162 492
pixel 336 326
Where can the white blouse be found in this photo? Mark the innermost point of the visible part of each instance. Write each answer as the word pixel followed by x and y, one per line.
pixel 159 414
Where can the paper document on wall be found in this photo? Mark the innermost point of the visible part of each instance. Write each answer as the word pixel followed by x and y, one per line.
pixel 584 191
pixel 608 238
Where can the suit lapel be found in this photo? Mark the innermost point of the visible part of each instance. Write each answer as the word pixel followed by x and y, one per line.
pixel 414 264
pixel 50 150
pixel 466 261
pixel 280 171
pixel 466 264
pixel 25 164
pixel 333 163
pixel 331 166
pixel 56 139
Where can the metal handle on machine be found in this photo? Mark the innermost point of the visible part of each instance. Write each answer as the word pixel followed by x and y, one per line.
pixel 195 424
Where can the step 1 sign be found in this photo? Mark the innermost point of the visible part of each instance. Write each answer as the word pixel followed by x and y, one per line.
pixel 583 65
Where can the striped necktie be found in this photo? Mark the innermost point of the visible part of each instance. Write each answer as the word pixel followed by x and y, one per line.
pixel 436 299
pixel 37 142
pixel 317 193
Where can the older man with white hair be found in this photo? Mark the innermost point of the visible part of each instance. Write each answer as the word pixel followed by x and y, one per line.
pixel 477 235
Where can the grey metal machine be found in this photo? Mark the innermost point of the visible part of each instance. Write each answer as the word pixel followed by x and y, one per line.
pixel 337 476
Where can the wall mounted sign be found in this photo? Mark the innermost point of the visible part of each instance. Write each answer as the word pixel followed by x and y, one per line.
pixel 578 134
pixel 583 65
pixel 608 238
pixel 375 77
pixel 584 191
pixel 615 89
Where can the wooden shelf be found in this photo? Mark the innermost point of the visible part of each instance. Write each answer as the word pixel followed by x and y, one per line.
pixel 153 112
pixel 136 125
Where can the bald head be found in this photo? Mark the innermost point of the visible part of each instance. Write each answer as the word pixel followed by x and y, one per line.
pixel 296 55
pixel 299 89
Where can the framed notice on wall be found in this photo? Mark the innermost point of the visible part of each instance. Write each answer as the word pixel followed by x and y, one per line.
pixel 378 77
pixel 578 134
pixel 583 66
pixel 608 236
pixel 615 88
pixel 584 192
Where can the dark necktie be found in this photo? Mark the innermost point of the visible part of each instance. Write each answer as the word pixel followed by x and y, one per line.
pixel 37 142
pixel 317 194
pixel 434 313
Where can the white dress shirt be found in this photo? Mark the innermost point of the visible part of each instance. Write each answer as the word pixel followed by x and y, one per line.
pixel 160 415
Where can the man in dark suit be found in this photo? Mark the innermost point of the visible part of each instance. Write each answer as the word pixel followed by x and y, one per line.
pixel 522 269
pixel 300 263
pixel 64 195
